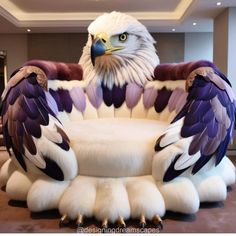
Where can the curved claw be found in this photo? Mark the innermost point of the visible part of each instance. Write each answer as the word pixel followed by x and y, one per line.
pixel 105 224
pixel 142 222
pixel 79 221
pixel 64 220
pixel 158 222
pixel 121 222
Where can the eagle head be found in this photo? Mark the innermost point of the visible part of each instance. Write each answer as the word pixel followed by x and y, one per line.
pixel 119 49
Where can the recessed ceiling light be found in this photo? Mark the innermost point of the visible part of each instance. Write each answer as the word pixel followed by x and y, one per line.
pixel 218 3
pixel 194 23
pixel 28 30
pixel 173 30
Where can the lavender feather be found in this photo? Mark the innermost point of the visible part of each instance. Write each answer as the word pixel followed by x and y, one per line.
pixel 56 97
pixel 51 103
pixel 173 98
pixel 181 101
pixel 149 97
pixel 78 98
pixel 133 95
pixel 94 93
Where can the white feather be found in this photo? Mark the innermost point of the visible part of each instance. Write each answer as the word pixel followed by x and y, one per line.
pixel 37 159
pixel 186 160
pixel 172 134
pixel 169 84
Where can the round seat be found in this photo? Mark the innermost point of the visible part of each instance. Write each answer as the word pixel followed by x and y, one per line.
pixel 114 147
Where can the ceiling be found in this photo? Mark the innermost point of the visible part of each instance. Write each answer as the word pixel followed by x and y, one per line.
pixel 55 16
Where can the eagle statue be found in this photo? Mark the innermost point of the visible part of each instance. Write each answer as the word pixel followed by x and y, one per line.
pixel 119 135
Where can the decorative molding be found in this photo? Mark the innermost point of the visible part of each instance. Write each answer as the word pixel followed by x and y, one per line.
pixel 21 18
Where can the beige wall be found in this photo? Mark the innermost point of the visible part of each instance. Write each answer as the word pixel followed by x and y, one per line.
pixel 16 47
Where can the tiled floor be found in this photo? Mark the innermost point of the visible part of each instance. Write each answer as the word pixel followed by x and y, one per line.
pixel 217 217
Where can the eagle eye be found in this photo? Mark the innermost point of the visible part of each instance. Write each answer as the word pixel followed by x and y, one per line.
pixel 123 37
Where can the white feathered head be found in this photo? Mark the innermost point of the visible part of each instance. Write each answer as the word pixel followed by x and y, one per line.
pixel 119 50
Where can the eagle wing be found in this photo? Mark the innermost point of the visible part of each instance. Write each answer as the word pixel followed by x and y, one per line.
pixel 31 128
pixel 204 126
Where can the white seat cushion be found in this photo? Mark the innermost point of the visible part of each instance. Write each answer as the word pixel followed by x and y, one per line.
pixel 114 147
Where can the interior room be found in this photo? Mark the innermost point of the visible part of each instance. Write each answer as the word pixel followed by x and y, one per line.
pixel 183 30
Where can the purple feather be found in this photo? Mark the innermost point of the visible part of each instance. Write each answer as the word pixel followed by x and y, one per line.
pixel 107 95
pixel 33 128
pixel 222 148
pixel 212 128
pixel 162 99
pixel 31 90
pixel 52 169
pixel 220 112
pixel 18 113
pixel 219 82
pixel 11 128
pixel 188 131
pixel 56 97
pixel 29 143
pixel 94 93
pixel 32 79
pixel 18 143
pixel 191 120
pixel 13 95
pixel 197 143
pixel 118 95
pixel 19 128
pixel 223 98
pixel 63 145
pixel 133 95
pixel 211 146
pixel 78 98
pixel 43 118
pixel 65 100
pixel 203 93
pixel 199 108
pixel 29 106
pixel 222 132
pixel 200 163
pixel 208 116
pixel 149 97
pixel 19 158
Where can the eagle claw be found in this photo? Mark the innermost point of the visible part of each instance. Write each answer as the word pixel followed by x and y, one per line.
pixel 64 220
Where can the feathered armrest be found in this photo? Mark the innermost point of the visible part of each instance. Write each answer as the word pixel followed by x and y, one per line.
pixel 203 128
pixel 32 131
